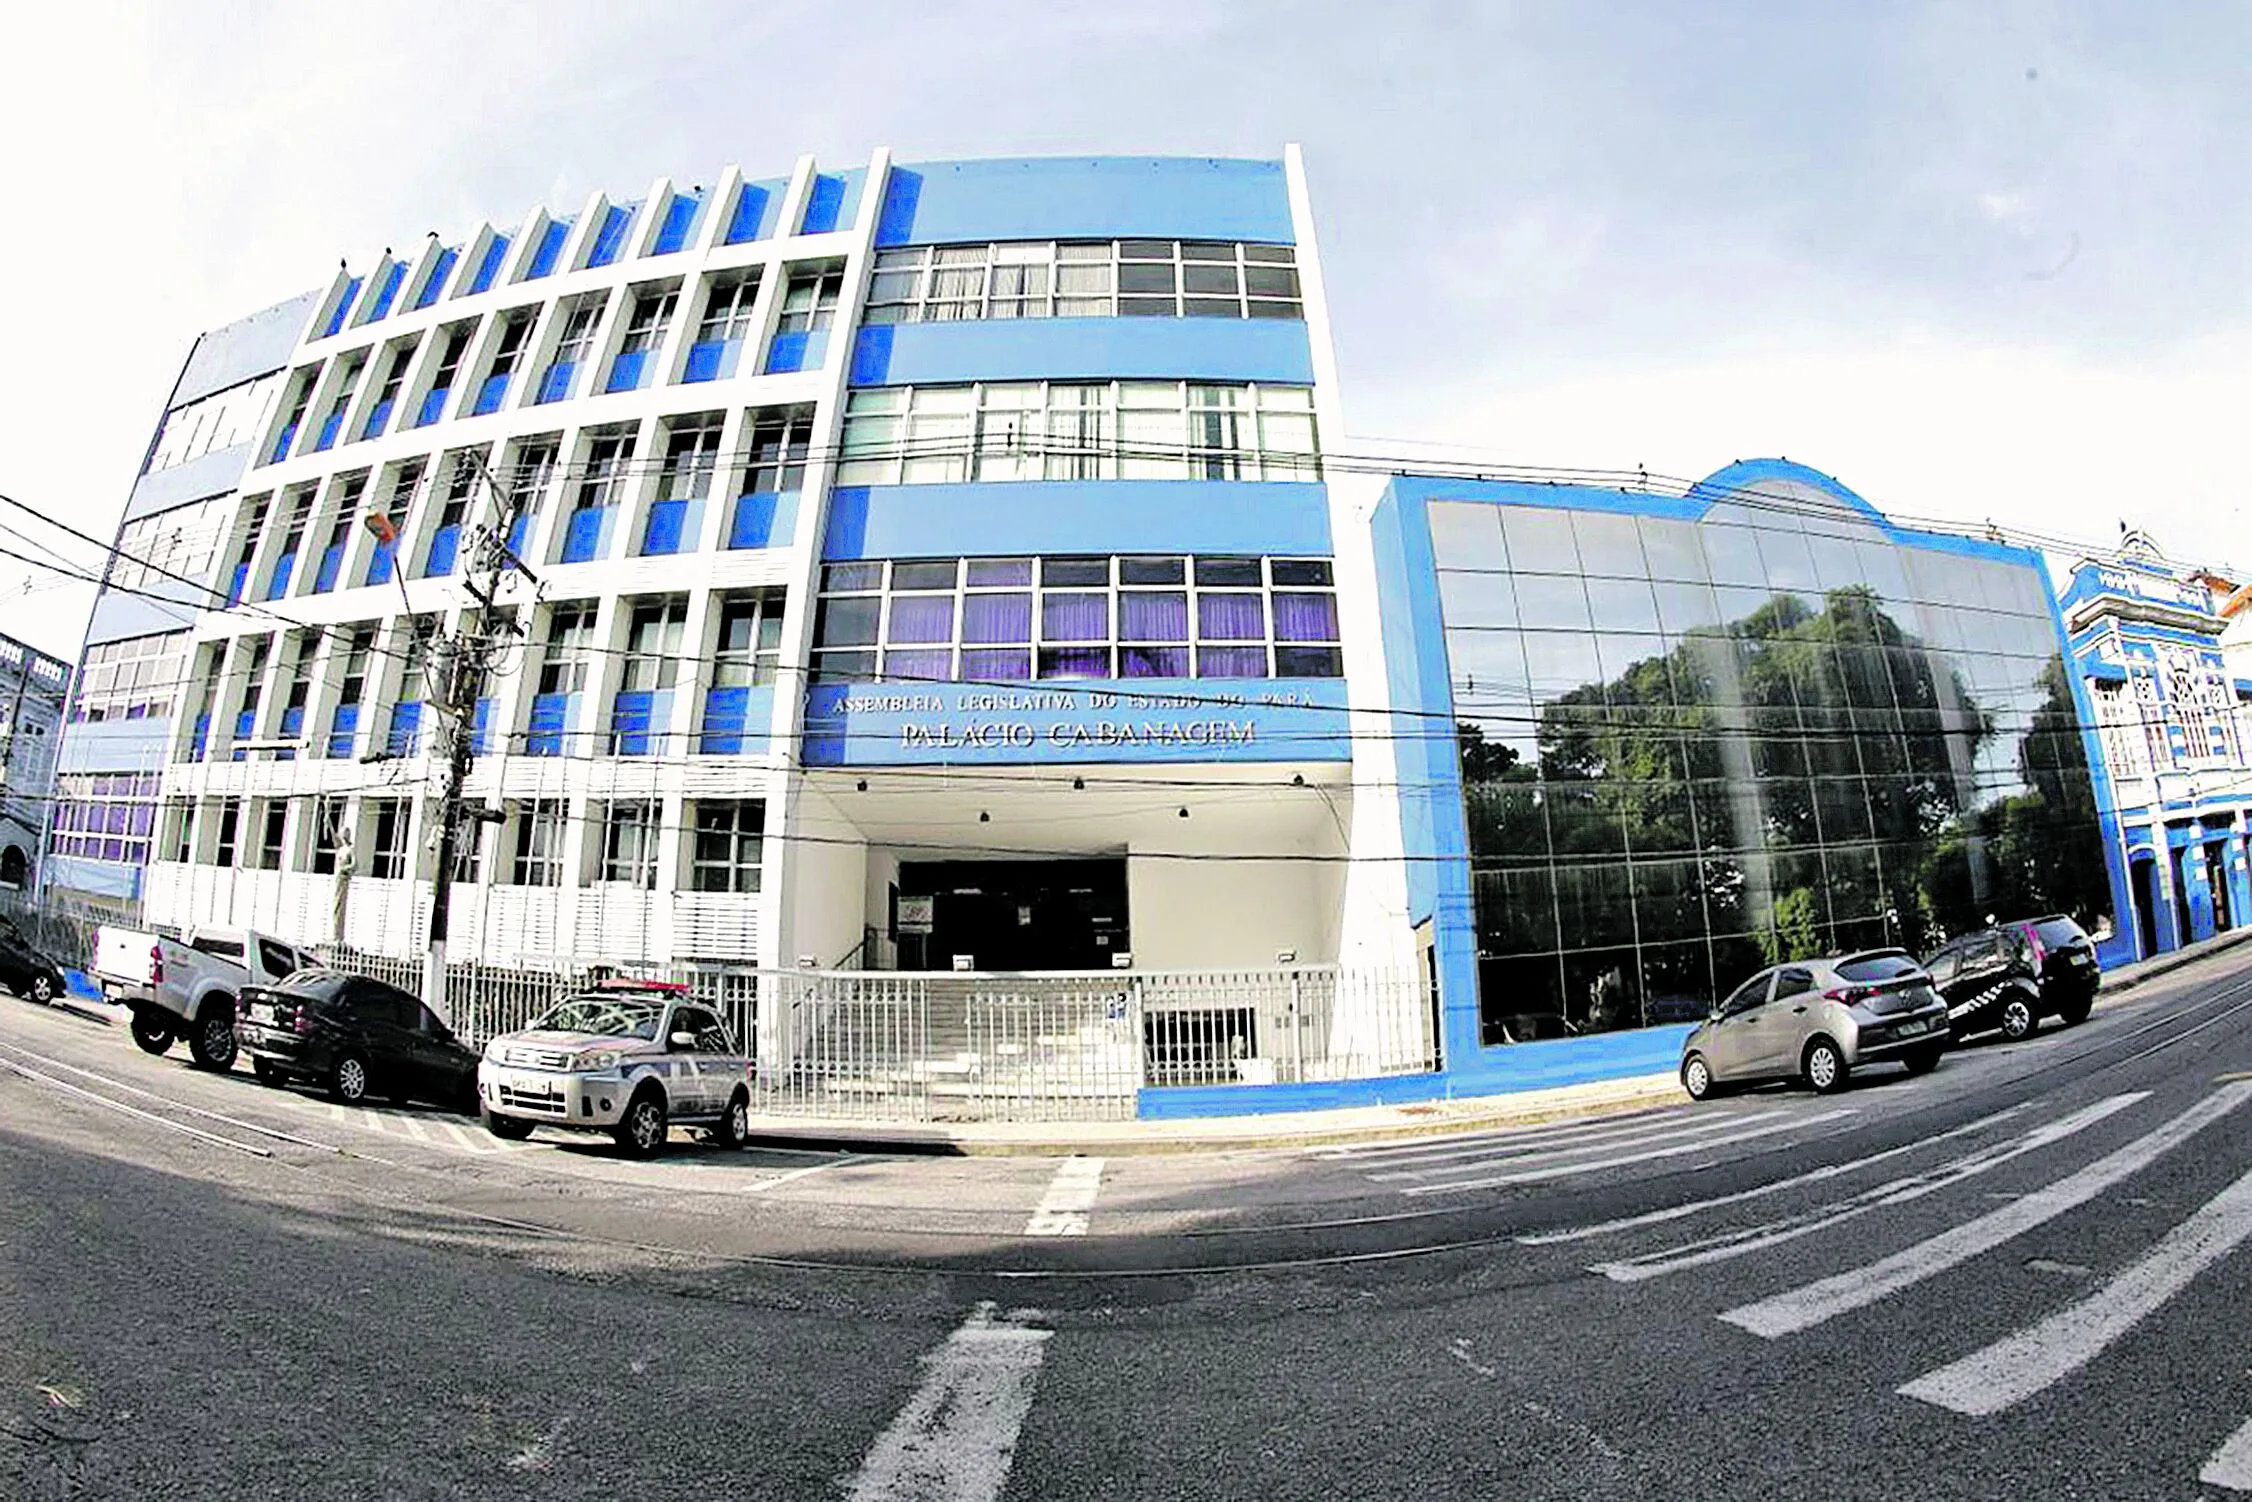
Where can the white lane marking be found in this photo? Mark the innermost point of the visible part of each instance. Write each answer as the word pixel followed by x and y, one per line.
pixel 1473 1158
pixel 2013 1369
pixel 1881 1196
pixel 165 1100
pixel 798 1173
pixel 2231 1465
pixel 250 1148
pixel 413 1128
pixel 1623 1160
pixel 1461 1350
pixel 1062 1211
pixel 1804 1307
pixel 1797 1181
pixel 957 1436
pixel 1479 1142
pixel 540 1453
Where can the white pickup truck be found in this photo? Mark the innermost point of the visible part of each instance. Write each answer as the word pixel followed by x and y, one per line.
pixel 187 987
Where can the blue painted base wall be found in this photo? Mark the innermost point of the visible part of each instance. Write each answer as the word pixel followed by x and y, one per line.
pixel 1493 1071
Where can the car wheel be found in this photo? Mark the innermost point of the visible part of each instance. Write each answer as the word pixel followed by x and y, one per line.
pixel 42 989
pixel 733 1126
pixel 508 1128
pixel 642 1131
pixel 211 1041
pixel 1696 1077
pixel 348 1080
pixel 1922 1061
pixel 2017 1019
pixel 1824 1067
pixel 151 1035
pixel 267 1073
pixel 2073 1013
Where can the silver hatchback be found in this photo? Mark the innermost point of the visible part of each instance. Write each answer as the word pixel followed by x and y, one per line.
pixel 1819 1020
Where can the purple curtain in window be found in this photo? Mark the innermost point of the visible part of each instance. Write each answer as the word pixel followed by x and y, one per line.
pixel 1075 662
pixel 998 665
pixel 1074 617
pixel 1153 662
pixel 1231 662
pixel 997 618
pixel 921 618
pixel 924 664
pixel 1147 616
pixel 1305 617
pixel 1230 617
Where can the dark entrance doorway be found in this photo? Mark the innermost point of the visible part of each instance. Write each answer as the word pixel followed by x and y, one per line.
pixel 1012 915
pixel 2217 881
pixel 2144 885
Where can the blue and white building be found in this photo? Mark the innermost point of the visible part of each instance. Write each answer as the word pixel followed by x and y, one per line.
pixel 2175 718
pixel 931 567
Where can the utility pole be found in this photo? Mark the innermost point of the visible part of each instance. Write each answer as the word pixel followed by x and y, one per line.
pixel 454 679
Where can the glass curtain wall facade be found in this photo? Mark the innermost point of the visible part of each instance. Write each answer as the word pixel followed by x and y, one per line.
pixel 1694 745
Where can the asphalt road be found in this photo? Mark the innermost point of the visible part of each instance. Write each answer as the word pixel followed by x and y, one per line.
pixel 2022 1276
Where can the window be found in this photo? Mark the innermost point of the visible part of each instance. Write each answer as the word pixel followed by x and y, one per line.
pixel 449 371
pixel 539 844
pixel 253 687
pixel 515 333
pixel 727 310
pixel 729 837
pixel 227 833
pixel 601 483
pixel 570 349
pixel 305 381
pixel 441 267
pixel 332 426
pixel 750 640
pixel 130 679
pixel 453 511
pixel 809 302
pixel 218 421
pixel 570 643
pixel 1084 279
pixel 293 538
pixel 170 548
pixel 327 834
pixel 387 852
pixel 273 829
pixel 179 831
pixel 253 529
pixel 645 331
pixel 653 645
pixel 781 437
pixel 107 816
pixel 525 483
pixel 629 843
pixel 387 395
pixel 352 687
pixel 488 266
pixel 710 1034
pixel 469 850
pixel 1010 619
pixel 347 507
pixel 1074 430
pixel 302 646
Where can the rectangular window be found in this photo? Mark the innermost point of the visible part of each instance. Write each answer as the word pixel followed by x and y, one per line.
pixel 645 331
pixel 538 859
pixel 273 829
pixel 219 421
pixel 781 438
pixel 750 640
pixel 602 483
pixel 132 679
pixel 515 333
pixel 227 837
pixel 449 371
pixel 332 426
pixel 1076 430
pixel 1085 279
pixel 717 351
pixel 809 301
pixel 287 434
pixel 653 645
pixel 387 395
pixel 111 816
pixel 729 840
pixel 571 348
pixel 327 835
pixel 570 646
pixel 387 846
pixel 691 458
pixel 629 843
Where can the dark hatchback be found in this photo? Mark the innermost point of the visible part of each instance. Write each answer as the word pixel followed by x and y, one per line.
pixel 2064 964
pixel 2012 975
pixel 356 1036
pixel 25 969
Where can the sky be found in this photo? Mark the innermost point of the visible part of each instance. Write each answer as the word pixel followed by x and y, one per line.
pixel 1981 263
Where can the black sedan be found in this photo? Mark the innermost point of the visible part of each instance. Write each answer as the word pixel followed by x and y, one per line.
pixel 25 970
pixel 355 1036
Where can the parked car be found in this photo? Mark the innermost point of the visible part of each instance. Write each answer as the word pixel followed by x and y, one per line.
pixel 26 969
pixel 1819 1020
pixel 356 1036
pixel 630 1058
pixel 2064 962
pixel 189 986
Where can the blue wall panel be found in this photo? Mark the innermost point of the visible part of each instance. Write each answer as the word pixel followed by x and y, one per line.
pixel 1039 198
pixel 1284 517
pixel 1023 349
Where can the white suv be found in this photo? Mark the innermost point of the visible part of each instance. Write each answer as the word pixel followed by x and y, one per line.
pixel 630 1058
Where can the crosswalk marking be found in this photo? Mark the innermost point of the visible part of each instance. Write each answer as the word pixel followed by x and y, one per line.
pixel 1804 1307
pixel 2010 1371
pixel 1893 1192
pixel 1424 1168
pixel 1511 1137
pixel 1826 1172
pixel 2231 1465
pixel 1071 1195
pixel 1622 1160
pixel 956 1438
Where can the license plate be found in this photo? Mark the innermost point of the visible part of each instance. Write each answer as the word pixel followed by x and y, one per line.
pixel 1910 1029
pixel 2081 959
pixel 261 1013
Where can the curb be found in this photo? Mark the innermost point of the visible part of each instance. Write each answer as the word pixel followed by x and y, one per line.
pixel 2176 959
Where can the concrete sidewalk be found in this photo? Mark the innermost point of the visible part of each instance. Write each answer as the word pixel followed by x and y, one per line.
pixel 1316 1128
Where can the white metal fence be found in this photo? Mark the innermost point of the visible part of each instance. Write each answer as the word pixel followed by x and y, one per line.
pixel 909 1046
